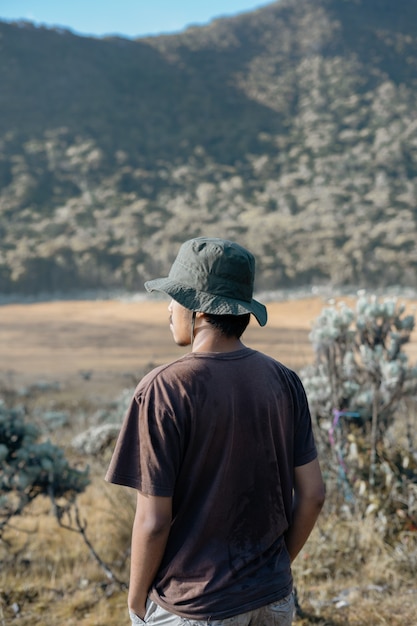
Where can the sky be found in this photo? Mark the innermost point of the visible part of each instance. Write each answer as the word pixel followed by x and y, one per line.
pixel 128 18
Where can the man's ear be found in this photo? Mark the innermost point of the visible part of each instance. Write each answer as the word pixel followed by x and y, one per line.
pixel 200 318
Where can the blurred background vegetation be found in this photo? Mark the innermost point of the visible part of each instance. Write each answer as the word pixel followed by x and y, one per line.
pixel 292 129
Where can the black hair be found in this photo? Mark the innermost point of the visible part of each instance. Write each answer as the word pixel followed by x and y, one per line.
pixel 229 325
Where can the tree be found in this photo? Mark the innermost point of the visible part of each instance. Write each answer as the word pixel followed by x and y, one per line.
pixel 357 389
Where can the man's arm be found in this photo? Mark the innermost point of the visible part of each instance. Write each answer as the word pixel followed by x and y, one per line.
pixel 149 537
pixel 309 495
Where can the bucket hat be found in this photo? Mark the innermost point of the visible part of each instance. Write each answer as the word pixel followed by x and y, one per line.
pixel 214 276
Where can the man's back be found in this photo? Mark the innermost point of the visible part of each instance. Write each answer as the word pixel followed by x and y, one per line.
pixel 220 433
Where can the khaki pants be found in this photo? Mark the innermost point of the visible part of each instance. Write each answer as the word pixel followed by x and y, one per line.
pixel 278 613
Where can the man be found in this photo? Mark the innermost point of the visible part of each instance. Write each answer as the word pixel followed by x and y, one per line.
pixel 219 446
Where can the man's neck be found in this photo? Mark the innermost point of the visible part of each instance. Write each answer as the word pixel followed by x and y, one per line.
pixel 215 342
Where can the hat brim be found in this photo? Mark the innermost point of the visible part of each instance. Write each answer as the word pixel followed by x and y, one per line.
pixel 196 300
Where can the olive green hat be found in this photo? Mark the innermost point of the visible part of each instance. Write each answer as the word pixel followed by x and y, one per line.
pixel 213 276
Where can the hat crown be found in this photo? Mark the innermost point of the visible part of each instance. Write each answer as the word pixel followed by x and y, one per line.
pixel 212 276
pixel 215 266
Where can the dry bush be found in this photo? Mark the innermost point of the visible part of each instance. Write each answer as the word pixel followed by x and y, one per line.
pixel 356 568
pixel 48 575
pixel 348 574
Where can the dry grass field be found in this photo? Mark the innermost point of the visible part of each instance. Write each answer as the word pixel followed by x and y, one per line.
pixel 78 357
pixel 58 340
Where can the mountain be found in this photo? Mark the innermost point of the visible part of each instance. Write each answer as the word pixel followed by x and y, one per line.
pixel 292 129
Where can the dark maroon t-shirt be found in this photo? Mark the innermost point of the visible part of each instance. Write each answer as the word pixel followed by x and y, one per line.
pixel 221 433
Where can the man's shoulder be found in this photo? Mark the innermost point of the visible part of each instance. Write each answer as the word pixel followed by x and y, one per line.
pixel 163 372
pixel 280 369
pixel 267 358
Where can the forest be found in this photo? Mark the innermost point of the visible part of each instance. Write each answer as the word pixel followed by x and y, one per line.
pixel 291 129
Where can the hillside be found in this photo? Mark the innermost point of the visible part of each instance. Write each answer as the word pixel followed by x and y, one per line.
pixel 291 128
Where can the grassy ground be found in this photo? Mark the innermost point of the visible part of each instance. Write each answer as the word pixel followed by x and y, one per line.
pixel 346 575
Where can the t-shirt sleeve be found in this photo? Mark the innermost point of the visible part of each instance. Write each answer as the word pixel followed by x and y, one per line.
pixel 147 456
pixel 304 444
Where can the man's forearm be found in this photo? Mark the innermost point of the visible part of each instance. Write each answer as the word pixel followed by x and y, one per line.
pixel 149 540
pixel 305 515
pixel 309 495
